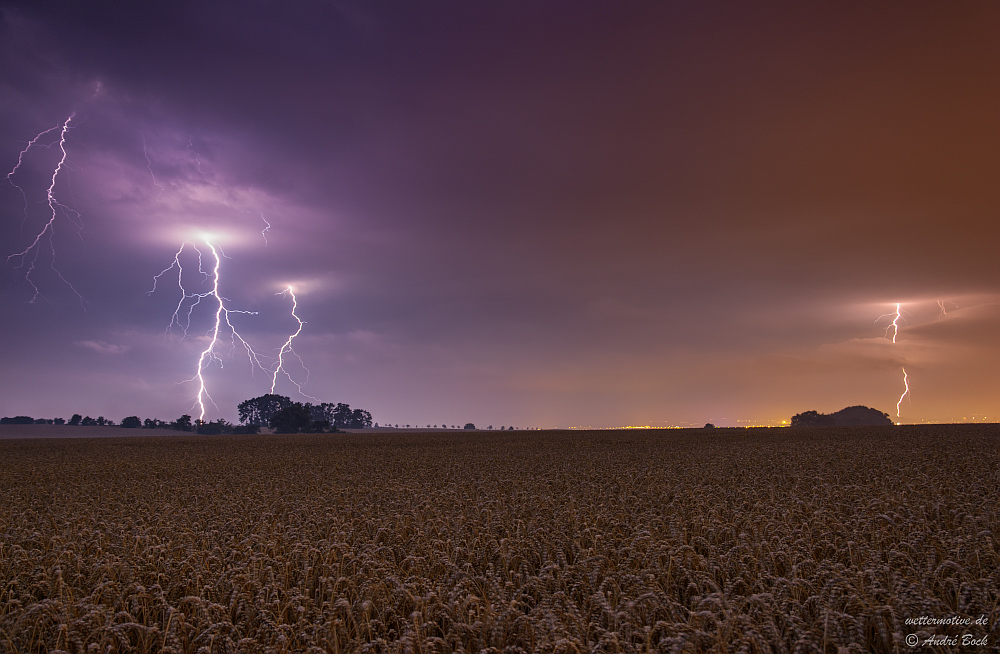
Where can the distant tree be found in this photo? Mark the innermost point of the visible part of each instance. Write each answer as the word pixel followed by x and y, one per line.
pixel 132 422
pixel 88 422
pixel 291 419
pixel 709 425
pixel 342 416
pixel 359 419
pixel 75 420
pixel 317 427
pixel 469 425
pixel 58 421
pixel 852 416
pixel 182 424
pixel 17 420
pixel 490 427
pixel 511 428
pixel 220 426
pixel 246 429
pixel 260 410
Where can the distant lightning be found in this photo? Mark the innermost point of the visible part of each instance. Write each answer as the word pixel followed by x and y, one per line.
pixel 197 159
pixel 267 228
pixel 906 391
pixel 20 160
pixel 220 323
pixel 897 316
pixel 287 348
pixel 29 255
pixel 149 167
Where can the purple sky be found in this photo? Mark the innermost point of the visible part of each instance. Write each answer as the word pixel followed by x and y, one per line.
pixel 546 214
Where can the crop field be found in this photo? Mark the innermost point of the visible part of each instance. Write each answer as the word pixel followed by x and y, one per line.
pixel 759 540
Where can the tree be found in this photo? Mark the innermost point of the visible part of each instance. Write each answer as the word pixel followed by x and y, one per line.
pixel 132 422
pixel 75 420
pixel 88 422
pixel 260 410
pixel 291 419
pixel 469 425
pixel 852 416
pixel 220 426
pixel 342 416
pixel 17 420
pixel 58 421
pixel 182 424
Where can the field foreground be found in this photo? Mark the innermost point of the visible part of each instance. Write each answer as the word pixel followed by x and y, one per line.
pixel 673 541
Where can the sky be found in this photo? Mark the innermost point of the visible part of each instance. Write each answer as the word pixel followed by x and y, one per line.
pixel 540 214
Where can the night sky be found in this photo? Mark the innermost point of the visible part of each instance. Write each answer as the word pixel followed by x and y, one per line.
pixel 544 213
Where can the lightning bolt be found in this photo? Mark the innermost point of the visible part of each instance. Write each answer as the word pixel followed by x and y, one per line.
pixel 897 316
pixel 220 322
pixel 906 391
pixel 263 232
pixel 149 167
pixel 287 348
pixel 197 159
pixel 29 255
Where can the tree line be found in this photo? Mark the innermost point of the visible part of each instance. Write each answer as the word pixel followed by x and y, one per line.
pixel 278 412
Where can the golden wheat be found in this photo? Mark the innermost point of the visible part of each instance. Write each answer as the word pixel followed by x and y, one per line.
pixel 726 541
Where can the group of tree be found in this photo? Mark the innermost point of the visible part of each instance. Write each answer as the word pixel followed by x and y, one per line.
pixel 28 420
pixel 185 423
pixel 277 412
pixel 286 417
pixel 852 416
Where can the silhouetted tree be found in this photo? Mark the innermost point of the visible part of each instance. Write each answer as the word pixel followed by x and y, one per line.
pixel 58 421
pixel 469 425
pixel 17 420
pixel 260 410
pixel 852 416
pixel 220 426
pixel 75 420
pixel 132 422
pixel 182 424
pixel 291 419
pixel 88 422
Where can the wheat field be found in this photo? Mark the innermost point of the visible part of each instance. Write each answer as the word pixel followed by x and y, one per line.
pixel 759 540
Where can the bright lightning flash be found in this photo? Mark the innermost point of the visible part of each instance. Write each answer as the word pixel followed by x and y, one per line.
pixel 897 316
pixel 221 322
pixel 29 255
pixel 906 391
pixel 287 348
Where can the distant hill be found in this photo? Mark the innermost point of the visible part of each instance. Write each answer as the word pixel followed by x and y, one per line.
pixel 852 416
